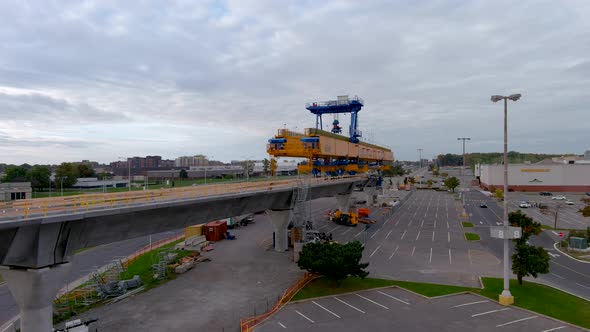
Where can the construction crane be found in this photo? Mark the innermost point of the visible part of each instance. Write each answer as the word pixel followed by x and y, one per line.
pixel 342 104
pixel 329 152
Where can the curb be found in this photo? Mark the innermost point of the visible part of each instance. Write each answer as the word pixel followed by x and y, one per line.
pixel 579 260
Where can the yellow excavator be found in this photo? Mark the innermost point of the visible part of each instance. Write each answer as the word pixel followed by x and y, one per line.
pixel 347 219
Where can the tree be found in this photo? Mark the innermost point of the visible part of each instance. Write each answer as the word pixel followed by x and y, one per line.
pixel 39 176
pixel 14 174
pixel 527 260
pixel 499 194
pixel 429 183
pixel 265 166
pixel 273 167
pixel 435 172
pixel 334 260
pixel 452 183
pixel 85 171
pixel 183 174
pixel 66 175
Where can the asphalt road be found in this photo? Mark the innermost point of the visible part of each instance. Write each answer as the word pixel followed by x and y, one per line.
pixel 566 273
pixel 82 264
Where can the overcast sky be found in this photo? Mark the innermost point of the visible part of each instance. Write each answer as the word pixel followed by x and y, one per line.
pixel 105 79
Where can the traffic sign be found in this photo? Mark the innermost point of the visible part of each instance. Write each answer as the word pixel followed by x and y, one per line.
pixel 560 234
pixel 505 232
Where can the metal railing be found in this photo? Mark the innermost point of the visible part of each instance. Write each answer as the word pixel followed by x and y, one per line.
pixel 42 207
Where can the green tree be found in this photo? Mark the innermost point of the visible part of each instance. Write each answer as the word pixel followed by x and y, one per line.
pixel 435 172
pixel 334 260
pixel 499 194
pixel 527 260
pixel 66 174
pixel 39 176
pixel 452 183
pixel 429 183
pixel 265 166
pixel 183 174
pixel 14 174
pixel 85 171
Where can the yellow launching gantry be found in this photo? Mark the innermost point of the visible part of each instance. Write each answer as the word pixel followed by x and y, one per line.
pixel 329 152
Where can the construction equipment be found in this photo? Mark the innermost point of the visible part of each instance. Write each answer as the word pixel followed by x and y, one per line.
pixel 346 219
pixel 331 153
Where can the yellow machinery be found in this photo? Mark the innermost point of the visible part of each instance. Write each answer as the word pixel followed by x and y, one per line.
pixel 347 219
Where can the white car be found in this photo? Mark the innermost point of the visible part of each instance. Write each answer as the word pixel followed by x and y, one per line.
pixel 569 202
pixel 559 197
pixel 524 205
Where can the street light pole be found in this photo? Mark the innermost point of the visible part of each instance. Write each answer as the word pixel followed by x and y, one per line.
pixel 463 139
pixel 129 172
pixel 420 156
pixel 506 298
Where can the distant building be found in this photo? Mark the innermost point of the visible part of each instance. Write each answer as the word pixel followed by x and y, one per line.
pixel 12 191
pixel 188 161
pixel 87 183
pixel 199 172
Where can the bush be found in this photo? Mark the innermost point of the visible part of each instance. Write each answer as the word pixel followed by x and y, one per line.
pixel 333 260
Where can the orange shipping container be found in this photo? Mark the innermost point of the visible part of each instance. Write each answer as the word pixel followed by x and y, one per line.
pixel 215 230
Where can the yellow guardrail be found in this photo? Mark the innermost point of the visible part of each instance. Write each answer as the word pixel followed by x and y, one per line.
pixel 90 202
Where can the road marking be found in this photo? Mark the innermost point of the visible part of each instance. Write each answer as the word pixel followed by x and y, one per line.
pixel 434 223
pixel 387 236
pixel 469 303
pixel 397 222
pixel 377 231
pixel 350 305
pixel 582 285
pixel 375 251
pixel 450 260
pixel 499 223
pixel 330 231
pixel 489 312
pixel 430 260
pixel 302 315
pixel 281 324
pixel 516 321
pixel 432 236
pixel 469 255
pixel 379 304
pixel 396 248
pixel 413 249
pixel 422 224
pixel 393 297
pixel 321 306
pixel 557 275
pixel 565 267
pixel 359 233
pixel 417 236
pixel 448 224
pixel 403 235
pixel 348 230
pixel 554 329
pixel 449 237
pixel 553 255
pixel 554 232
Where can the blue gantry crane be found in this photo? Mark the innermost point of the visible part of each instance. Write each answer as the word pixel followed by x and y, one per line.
pixel 343 104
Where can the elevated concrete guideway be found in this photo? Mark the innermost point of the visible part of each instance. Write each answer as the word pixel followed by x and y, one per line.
pixel 35 250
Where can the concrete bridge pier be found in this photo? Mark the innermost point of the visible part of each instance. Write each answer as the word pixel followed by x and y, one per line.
pixel 371 195
pixel 34 291
pixel 343 201
pixel 280 221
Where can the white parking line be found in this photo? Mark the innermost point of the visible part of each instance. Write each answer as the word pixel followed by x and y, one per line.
pixel 321 306
pixel 281 324
pixel 554 329
pixel 387 236
pixel 450 260
pixel 432 236
pixel 448 223
pixel 516 321
pixel 434 223
pixel 379 304
pixel 403 235
pixel 557 275
pixel 413 249
pixel 377 231
pixel 373 253
pixel 330 231
pixel 469 303
pixel 348 230
pixel 422 224
pixel 582 285
pixel 359 233
pixel 396 248
pixel 417 236
pixel 393 297
pixel 489 312
pixel 302 315
pixel 449 237
pixel 348 304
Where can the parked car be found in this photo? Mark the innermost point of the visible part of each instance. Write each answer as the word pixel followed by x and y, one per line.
pixel 545 193
pixel 483 205
pixel 524 204
pixel 559 197
pixel 588 193
pixel 568 202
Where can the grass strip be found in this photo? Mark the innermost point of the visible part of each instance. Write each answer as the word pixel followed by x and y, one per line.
pixel 467 224
pixel 472 236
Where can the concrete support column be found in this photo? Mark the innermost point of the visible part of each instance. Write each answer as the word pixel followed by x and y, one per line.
pixel 280 221
pixel 34 291
pixel 343 201
pixel 371 195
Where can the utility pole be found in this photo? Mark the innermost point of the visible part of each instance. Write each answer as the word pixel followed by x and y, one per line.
pixel 420 154
pixel 463 139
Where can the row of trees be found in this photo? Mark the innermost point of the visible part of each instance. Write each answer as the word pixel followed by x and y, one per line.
pixel 450 159
pixel 66 174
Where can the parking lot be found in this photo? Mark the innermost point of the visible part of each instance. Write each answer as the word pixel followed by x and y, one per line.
pixel 422 241
pixel 394 308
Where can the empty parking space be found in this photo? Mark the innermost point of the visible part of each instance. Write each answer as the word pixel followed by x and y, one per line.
pixel 388 308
